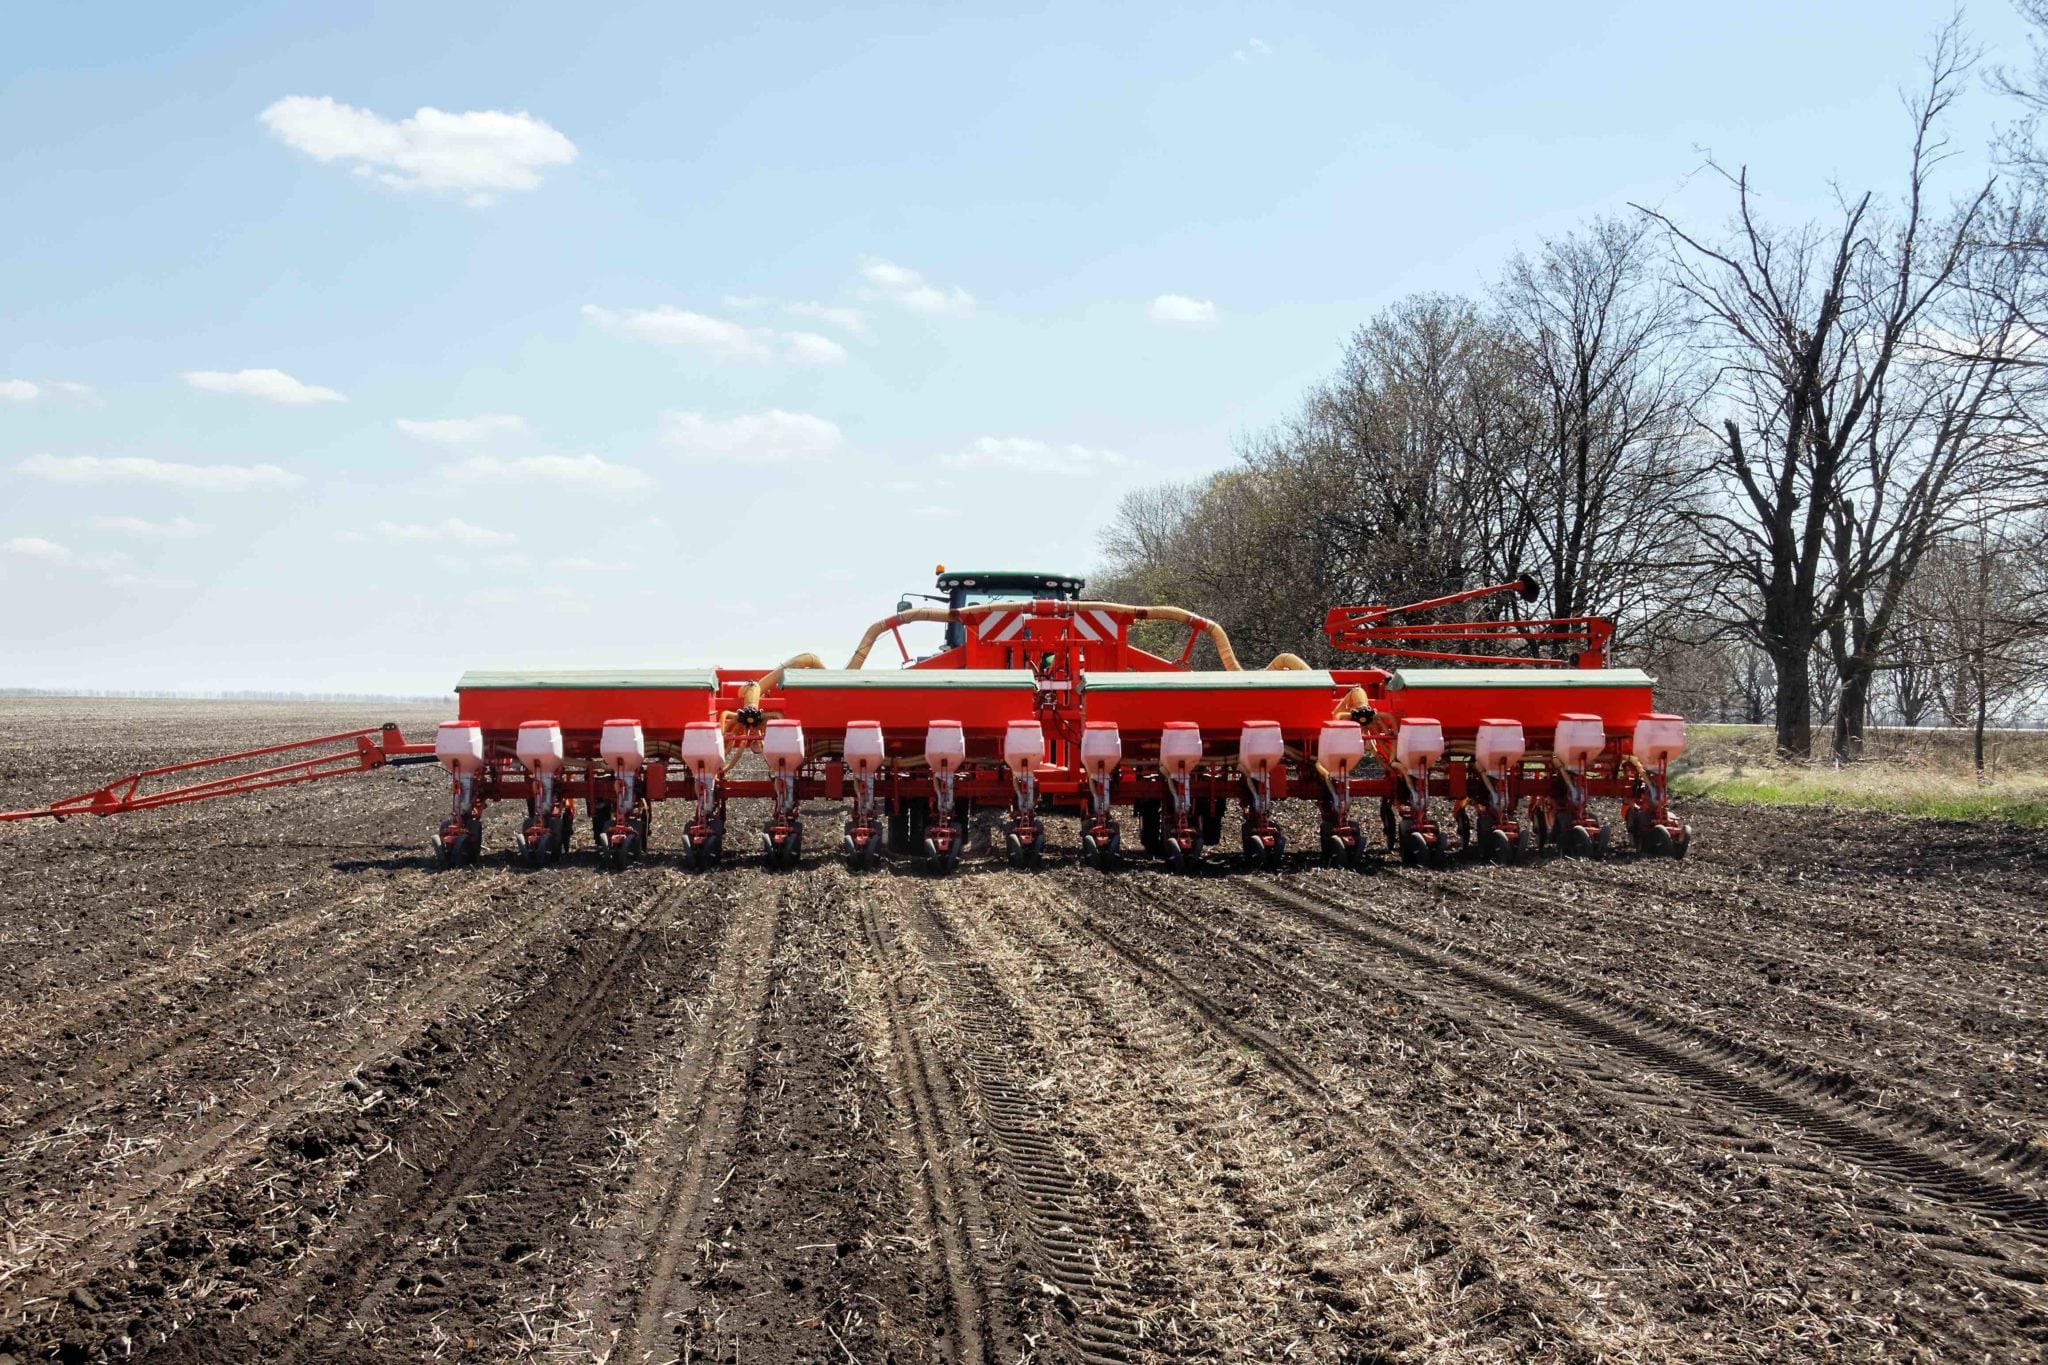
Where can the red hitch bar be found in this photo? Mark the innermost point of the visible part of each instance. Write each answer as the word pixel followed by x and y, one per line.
pixel 377 747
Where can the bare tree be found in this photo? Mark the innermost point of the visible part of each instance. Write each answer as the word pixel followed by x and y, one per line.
pixel 1988 586
pixel 1945 446
pixel 1604 493
pixel 1912 678
pixel 1410 448
pixel 1394 480
pixel 1805 328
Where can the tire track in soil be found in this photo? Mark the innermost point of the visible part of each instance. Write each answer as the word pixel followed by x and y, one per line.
pixel 74 1006
pixel 244 1124
pixel 1889 940
pixel 1065 1226
pixel 697 1110
pixel 1600 1115
pixel 177 862
pixel 1751 1079
pixel 405 1206
pixel 1178 1137
pixel 1634 910
pixel 1540 1313
pixel 808 1246
pixel 163 1047
pixel 1820 1063
pixel 948 1207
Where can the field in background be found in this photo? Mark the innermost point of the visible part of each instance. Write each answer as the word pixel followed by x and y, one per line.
pixel 1927 772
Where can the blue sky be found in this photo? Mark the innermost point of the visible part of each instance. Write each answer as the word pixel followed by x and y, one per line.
pixel 726 328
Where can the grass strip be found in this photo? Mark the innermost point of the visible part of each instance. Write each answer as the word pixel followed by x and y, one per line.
pixel 1885 789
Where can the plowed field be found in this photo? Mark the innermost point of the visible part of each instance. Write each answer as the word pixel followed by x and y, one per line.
pixel 273 1089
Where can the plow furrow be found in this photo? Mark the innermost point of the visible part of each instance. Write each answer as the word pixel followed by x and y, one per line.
pixel 1992 1181
pixel 134 1061
pixel 1529 1297
pixel 634 1305
pixel 418 1228
pixel 949 1206
pixel 154 1175
pixel 1068 1232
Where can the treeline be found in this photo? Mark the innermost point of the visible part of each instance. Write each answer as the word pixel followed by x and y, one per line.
pixel 1801 465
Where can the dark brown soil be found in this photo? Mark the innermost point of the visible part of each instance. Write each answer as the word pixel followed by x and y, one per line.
pixel 271 1088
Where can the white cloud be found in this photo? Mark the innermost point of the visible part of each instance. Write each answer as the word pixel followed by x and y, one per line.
pixel 177 528
pixel 205 478
pixel 1041 457
pixel 935 511
pixel 27 391
pixel 813 349
pixel 475 563
pixel 849 320
pixel 50 552
pixel 1253 51
pixel 35 547
pixel 772 435
pixel 667 326
pixel 552 594
pixel 479 154
pixel 723 338
pixel 580 564
pixel 575 471
pixel 463 431
pixel 907 289
pixel 1178 310
pixel 451 530
pixel 273 386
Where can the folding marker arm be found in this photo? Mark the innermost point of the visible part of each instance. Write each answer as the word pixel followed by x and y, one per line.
pixel 1392 631
pixel 352 751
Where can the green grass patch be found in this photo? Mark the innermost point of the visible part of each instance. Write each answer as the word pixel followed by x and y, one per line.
pixel 1872 787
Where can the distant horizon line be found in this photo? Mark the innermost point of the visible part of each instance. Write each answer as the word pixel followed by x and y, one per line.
pixel 240 694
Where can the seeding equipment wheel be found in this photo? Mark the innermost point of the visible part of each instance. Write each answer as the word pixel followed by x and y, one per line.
pixel 942 864
pixel 537 851
pixel 1027 856
pixel 1149 822
pixel 1415 850
pixel 1257 853
pixel 463 850
pixel 1101 854
pixel 863 859
pixel 787 855
pixel 1179 859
